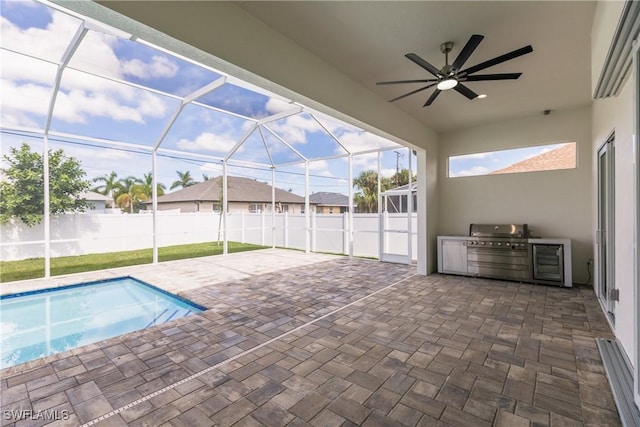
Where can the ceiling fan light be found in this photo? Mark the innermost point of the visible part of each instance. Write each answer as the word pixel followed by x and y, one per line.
pixel 447 84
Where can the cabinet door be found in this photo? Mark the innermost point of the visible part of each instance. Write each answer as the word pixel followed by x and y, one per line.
pixel 454 256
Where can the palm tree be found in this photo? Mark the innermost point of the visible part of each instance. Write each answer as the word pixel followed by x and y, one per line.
pixel 402 178
pixel 109 186
pixel 131 193
pixel 184 180
pixel 367 197
pixel 147 186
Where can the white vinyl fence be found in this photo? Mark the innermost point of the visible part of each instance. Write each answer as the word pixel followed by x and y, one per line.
pixel 82 234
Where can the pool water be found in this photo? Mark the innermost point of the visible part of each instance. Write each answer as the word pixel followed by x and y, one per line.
pixel 40 323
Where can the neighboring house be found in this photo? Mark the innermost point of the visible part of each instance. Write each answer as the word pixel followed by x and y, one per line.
pixel 329 203
pixel 395 199
pixel 243 194
pixel 563 157
pixel 97 202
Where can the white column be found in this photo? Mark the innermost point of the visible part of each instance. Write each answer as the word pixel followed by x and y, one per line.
pixel 154 195
pixel 47 215
pixel 307 237
pixel 381 224
pixel 273 207
pixel 350 211
pixel 409 214
pixel 422 236
pixel 225 244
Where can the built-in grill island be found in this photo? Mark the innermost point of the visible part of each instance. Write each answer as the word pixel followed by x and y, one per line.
pixel 506 252
pixel 499 251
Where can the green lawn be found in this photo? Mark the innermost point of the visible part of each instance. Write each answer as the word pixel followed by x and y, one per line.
pixel 34 267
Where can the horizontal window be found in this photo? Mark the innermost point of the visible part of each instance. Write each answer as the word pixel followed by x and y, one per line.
pixel 517 160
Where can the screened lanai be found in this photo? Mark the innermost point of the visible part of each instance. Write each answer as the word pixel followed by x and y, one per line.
pixel 121 104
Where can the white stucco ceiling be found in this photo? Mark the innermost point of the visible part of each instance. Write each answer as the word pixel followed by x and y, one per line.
pixel 368 41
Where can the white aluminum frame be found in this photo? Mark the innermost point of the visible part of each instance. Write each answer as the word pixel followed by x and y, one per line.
pixel 91 24
pixel 636 135
pixel 395 258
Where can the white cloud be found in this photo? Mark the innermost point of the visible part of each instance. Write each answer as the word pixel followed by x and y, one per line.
pixel 26 98
pixel 363 141
pixel 26 82
pixel 476 170
pixel 159 66
pixel 275 106
pixel 293 129
pixel 366 161
pixel 320 167
pixel 207 141
pixel 49 42
pixel 475 156
pixel 387 172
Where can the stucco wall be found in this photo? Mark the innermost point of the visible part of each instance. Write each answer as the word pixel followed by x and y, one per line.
pixel 616 114
pixel 554 203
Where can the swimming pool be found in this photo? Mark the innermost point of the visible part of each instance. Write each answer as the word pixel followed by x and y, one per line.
pixel 39 323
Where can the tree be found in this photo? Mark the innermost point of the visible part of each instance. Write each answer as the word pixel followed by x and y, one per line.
pixel 184 180
pixel 109 186
pixel 402 178
pixel 147 186
pixel 131 194
pixel 22 186
pixel 367 196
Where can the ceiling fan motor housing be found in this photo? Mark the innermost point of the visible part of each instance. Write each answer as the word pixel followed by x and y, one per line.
pixel 446 47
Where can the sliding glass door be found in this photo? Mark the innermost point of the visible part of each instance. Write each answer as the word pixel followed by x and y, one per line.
pixel 605 234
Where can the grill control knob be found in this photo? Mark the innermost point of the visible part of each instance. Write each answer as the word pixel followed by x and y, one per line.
pixel 483 243
pixel 499 244
pixel 490 243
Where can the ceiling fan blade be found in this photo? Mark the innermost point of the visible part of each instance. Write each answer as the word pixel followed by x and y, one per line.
pixel 460 88
pixel 424 64
pixel 407 81
pixel 466 51
pixel 497 60
pixel 432 98
pixel 486 77
pixel 412 92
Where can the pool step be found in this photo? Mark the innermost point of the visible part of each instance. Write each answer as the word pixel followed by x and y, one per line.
pixel 166 315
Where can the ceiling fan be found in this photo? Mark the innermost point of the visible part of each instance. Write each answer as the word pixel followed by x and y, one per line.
pixel 452 77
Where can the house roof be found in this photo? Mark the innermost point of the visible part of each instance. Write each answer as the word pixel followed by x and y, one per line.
pixel 238 190
pixel 563 157
pixel 92 196
pixel 401 189
pixel 324 198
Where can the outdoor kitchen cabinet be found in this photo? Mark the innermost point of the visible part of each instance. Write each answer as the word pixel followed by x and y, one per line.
pixel 452 255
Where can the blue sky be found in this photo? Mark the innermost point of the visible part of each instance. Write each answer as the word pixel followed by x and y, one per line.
pixel 98 107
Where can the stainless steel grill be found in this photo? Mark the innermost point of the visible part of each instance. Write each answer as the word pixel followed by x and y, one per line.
pixel 499 251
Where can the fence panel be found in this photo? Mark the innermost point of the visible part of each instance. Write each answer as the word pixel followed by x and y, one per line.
pixel 101 233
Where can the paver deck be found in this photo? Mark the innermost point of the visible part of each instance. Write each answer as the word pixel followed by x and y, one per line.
pixel 321 340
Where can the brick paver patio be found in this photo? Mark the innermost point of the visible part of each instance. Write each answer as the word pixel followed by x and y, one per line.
pixel 330 341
